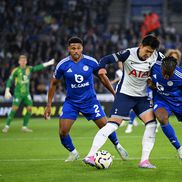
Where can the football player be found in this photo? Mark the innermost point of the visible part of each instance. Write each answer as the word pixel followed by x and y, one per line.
pixel 77 70
pixel 21 77
pixel 167 79
pixel 131 94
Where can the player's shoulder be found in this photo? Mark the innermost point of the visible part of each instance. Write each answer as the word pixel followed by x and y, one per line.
pixel 63 62
pixel 93 60
pixel 14 70
pixel 133 49
pixel 90 61
pixel 131 52
pixel 128 51
pixel 29 67
pixel 160 56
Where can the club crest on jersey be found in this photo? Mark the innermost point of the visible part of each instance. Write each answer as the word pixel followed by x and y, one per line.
pixel 139 74
pixel 170 83
pixel 85 68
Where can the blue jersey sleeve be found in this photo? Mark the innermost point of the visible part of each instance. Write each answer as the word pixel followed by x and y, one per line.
pixel 93 63
pixel 58 73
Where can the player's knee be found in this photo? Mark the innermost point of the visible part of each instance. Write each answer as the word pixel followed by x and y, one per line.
pixel 63 132
pixel 163 119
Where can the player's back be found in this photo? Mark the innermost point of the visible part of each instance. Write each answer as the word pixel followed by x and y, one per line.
pixel 78 77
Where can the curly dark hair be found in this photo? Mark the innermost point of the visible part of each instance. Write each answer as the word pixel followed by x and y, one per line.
pixel 168 65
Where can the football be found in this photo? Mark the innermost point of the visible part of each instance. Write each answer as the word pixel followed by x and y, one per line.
pixel 103 159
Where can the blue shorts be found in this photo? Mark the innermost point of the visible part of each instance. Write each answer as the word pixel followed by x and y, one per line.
pixel 91 111
pixel 124 103
pixel 169 108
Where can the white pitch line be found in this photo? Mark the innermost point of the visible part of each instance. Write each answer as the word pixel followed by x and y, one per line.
pixel 61 159
pixel 54 138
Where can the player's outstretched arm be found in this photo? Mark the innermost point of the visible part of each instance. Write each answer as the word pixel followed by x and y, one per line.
pixel 105 80
pixel 42 66
pixel 51 93
pixel 49 63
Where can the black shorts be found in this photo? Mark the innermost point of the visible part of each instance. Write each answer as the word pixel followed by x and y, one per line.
pixel 124 103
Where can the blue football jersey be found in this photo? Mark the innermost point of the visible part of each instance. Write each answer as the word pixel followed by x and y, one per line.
pixel 78 77
pixel 169 90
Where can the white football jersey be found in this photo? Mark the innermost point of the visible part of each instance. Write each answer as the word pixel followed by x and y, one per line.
pixel 119 73
pixel 135 72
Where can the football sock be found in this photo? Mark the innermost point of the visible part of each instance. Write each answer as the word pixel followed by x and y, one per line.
pixel 170 134
pixel 148 139
pixel 132 117
pixel 113 138
pixel 101 137
pixel 10 117
pixel 67 142
pixel 26 118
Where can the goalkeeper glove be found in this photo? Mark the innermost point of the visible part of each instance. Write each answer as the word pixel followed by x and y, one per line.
pixel 7 93
pixel 49 63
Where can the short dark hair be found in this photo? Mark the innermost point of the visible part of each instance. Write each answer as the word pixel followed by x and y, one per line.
pixel 75 40
pixel 169 64
pixel 151 41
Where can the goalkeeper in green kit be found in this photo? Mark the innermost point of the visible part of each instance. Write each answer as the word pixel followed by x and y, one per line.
pixel 21 77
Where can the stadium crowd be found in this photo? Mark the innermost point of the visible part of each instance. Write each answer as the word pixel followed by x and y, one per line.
pixel 42 28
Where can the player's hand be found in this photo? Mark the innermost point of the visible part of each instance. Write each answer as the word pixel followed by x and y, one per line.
pixel 47 112
pixel 7 93
pixel 102 71
pixel 49 63
pixel 150 83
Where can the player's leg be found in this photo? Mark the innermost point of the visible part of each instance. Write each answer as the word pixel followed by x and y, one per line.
pixel 131 122
pixel 67 118
pixel 162 115
pixel 27 101
pixel 144 111
pixel 15 106
pixel 113 138
pixel 10 118
pixel 64 129
pixel 111 126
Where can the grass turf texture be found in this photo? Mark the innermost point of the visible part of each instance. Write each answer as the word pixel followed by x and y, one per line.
pixel 39 156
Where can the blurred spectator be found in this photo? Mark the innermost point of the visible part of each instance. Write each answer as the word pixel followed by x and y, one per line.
pixel 151 24
pixel 42 28
pixel 176 54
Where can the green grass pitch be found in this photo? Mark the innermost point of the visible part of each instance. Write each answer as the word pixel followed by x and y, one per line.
pixel 39 156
